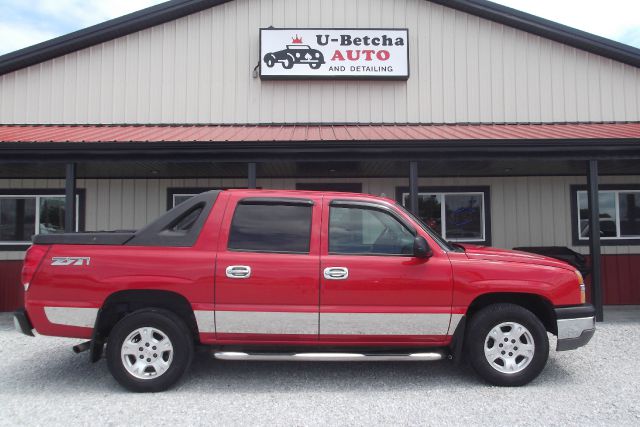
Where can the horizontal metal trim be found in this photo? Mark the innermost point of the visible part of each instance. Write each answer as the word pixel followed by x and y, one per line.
pixel 330 357
pixel 72 316
pixel 455 321
pixel 206 321
pixel 384 323
pixel 262 322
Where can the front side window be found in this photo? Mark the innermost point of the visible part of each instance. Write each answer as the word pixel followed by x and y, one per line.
pixel 264 227
pixel 456 216
pixel 619 214
pixel 23 216
pixel 363 231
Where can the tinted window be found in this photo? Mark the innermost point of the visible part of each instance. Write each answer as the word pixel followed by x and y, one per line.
pixel 367 231
pixel 185 223
pixel 271 228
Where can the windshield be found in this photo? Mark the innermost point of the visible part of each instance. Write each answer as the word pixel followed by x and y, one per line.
pixel 432 233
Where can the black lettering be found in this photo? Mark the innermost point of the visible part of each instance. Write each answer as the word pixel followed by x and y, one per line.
pixel 357 41
pixel 320 41
pixel 399 41
pixel 345 40
pixel 366 40
pixel 375 41
pixel 386 41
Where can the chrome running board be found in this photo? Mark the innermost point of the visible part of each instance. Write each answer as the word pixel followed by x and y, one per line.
pixel 330 357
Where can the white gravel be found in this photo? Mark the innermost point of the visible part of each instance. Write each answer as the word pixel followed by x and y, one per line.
pixel 43 383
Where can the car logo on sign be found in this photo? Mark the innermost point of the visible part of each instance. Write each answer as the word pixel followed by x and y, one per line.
pixel 70 260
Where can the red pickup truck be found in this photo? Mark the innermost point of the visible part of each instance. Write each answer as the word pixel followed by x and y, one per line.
pixel 292 275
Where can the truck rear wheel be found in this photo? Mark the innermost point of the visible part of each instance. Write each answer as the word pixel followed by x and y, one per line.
pixel 507 345
pixel 149 350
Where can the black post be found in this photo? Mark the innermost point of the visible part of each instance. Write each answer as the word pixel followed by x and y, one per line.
pixel 594 237
pixel 70 198
pixel 413 187
pixel 251 173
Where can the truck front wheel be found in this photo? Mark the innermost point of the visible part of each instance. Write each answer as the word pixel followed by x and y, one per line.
pixel 149 350
pixel 507 344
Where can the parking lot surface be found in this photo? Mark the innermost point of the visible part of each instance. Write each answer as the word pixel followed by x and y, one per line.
pixel 43 383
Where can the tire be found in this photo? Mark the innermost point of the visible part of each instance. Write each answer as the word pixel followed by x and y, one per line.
pixel 288 62
pixel 315 65
pixel 515 362
pixel 162 363
pixel 269 60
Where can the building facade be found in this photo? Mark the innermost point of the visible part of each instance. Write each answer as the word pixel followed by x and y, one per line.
pixel 503 121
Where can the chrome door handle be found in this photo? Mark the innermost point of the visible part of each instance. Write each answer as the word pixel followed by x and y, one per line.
pixel 336 273
pixel 238 272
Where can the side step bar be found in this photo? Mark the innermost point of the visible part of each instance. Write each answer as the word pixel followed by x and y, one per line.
pixel 330 357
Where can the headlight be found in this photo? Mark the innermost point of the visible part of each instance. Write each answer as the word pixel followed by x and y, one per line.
pixel 583 288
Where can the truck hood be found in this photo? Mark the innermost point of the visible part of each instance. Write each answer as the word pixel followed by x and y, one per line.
pixel 505 255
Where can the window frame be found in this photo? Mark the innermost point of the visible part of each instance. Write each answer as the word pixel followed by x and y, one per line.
pixel 577 240
pixel 37 193
pixel 353 204
pixel 272 201
pixel 172 192
pixel 483 190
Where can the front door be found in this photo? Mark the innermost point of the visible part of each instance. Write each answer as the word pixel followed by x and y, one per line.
pixel 373 290
pixel 266 280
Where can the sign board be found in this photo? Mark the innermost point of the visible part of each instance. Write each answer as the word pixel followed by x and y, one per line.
pixel 335 53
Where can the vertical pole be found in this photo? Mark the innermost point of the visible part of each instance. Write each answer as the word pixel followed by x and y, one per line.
pixel 594 237
pixel 70 198
pixel 413 187
pixel 251 174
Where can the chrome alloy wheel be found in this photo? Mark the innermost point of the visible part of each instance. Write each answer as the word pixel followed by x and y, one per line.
pixel 509 348
pixel 147 353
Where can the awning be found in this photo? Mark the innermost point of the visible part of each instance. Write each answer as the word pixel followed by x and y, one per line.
pixel 321 143
pixel 316 133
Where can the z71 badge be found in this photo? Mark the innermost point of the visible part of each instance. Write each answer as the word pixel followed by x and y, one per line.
pixel 70 260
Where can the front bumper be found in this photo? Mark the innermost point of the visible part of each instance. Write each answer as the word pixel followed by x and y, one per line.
pixel 576 326
pixel 22 323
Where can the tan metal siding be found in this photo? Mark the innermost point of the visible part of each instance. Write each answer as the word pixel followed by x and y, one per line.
pixel 525 211
pixel 198 69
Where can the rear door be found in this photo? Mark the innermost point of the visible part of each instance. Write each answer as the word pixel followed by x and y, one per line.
pixel 266 281
pixel 373 290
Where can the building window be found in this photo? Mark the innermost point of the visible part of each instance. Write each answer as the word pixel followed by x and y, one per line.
pixel 619 214
pixel 24 215
pixel 268 227
pixel 457 214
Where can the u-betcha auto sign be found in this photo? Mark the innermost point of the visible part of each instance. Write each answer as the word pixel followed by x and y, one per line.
pixel 297 53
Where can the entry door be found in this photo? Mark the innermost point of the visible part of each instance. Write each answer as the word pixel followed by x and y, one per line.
pixel 373 290
pixel 266 281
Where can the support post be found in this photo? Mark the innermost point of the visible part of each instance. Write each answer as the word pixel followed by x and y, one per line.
pixel 594 237
pixel 413 187
pixel 251 174
pixel 70 198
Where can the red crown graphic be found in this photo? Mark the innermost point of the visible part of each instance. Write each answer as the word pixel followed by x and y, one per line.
pixel 297 39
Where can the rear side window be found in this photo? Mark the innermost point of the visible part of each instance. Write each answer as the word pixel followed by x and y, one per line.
pixel 268 227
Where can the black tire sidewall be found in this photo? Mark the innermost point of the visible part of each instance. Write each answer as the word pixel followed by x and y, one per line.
pixel 491 316
pixel 181 339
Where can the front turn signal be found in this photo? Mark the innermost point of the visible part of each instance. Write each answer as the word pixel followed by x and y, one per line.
pixel 583 288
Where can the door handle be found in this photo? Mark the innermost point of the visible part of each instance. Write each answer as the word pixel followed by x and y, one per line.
pixel 238 272
pixel 336 273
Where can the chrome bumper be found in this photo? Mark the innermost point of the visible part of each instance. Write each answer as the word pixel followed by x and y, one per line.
pixel 576 326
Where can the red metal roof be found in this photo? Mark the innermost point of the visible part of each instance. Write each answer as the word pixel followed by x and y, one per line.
pixel 296 133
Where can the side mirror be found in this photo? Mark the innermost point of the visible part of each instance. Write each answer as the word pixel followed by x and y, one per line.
pixel 421 248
